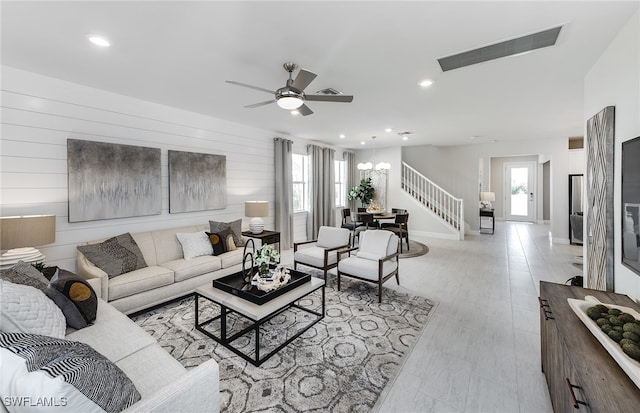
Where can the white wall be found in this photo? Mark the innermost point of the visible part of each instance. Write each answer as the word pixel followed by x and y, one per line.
pixel 458 170
pixel 615 80
pixel 39 114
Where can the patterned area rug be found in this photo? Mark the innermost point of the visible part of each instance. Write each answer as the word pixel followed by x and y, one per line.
pixel 341 364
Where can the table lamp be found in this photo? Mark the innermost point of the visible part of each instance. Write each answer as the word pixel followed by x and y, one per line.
pixel 19 235
pixel 486 198
pixel 256 210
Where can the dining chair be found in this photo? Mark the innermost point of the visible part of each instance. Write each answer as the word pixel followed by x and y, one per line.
pixel 364 222
pixel 346 220
pixel 400 228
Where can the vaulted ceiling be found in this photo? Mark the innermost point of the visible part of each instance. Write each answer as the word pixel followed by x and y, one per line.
pixel 180 54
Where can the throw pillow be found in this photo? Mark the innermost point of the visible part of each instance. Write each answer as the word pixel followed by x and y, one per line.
pixel 24 309
pixel 25 274
pixel 75 297
pixel 217 243
pixel 194 244
pixel 115 256
pixel 235 226
pixel 55 369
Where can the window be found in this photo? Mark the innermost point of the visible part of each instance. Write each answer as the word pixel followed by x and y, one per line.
pixel 300 173
pixel 341 190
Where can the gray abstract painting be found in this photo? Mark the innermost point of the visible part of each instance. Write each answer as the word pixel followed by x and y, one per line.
pixel 112 181
pixel 197 181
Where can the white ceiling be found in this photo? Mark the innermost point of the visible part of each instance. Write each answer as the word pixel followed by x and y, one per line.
pixel 181 53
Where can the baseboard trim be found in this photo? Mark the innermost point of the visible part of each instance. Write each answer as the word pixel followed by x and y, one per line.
pixel 434 235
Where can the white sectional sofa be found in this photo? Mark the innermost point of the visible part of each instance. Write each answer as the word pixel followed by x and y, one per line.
pixel 168 274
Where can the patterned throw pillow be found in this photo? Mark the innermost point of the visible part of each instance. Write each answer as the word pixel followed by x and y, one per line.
pixel 25 274
pixel 194 244
pixel 75 297
pixel 115 256
pixel 235 226
pixel 221 241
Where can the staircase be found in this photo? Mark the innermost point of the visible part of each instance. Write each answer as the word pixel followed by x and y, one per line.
pixel 441 203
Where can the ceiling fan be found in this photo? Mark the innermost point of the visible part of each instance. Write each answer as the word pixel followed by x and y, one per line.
pixel 292 95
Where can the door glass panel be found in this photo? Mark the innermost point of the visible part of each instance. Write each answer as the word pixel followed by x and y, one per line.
pixel 519 191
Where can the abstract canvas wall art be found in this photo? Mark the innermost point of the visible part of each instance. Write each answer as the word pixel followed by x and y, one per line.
pixel 197 181
pixel 109 180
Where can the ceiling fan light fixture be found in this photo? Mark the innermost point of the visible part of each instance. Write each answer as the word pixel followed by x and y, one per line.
pixel 290 102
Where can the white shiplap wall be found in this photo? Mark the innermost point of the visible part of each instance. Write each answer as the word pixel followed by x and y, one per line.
pixel 39 114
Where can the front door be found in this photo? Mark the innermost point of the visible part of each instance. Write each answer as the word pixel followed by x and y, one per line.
pixel 520 191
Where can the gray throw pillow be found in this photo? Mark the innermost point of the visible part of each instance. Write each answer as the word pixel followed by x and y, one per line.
pixel 115 256
pixel 25 274
pixel 236 230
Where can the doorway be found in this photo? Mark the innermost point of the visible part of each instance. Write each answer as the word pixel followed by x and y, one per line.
pixel 520 187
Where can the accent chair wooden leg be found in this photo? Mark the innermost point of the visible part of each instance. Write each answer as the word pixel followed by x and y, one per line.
pixel 338 280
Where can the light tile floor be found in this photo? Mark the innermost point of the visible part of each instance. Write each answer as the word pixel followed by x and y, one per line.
pixel 480 351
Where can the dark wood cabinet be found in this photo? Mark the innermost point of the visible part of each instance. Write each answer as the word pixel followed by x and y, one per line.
pixel 581 375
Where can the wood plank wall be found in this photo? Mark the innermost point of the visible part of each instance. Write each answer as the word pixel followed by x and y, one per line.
pixel 39 114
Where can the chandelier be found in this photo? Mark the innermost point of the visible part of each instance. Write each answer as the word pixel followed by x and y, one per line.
pixel 380 166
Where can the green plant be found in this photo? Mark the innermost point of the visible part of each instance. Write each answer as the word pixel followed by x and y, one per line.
pixel 364 192
pixel 264 256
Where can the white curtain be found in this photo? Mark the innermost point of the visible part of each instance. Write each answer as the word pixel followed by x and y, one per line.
pixel 284 192
pixel 323 189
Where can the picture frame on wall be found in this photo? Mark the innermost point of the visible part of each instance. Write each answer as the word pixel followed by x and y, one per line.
pixel 107 180
pixel 197 181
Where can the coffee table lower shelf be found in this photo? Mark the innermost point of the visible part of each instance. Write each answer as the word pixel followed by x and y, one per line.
pixel 256 314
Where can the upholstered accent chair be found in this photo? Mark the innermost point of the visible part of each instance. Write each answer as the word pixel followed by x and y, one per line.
pixel 399 227
pixel 322 253
pixel 375 261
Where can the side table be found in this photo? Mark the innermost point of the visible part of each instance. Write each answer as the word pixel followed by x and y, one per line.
pixel 266 237
pixel 488 213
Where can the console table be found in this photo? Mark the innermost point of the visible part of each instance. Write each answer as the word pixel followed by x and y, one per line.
pixel 266 237
pixel 488 213
pixel 580 373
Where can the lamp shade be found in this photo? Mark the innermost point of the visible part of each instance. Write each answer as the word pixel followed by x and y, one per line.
pixel 487 196
pixel 256 208
pixel 27 231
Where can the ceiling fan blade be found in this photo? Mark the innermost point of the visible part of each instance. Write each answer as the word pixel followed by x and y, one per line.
pixel 304 110
pixel 303 79
pixel 255 105
pixel 233 82
pixel 329 98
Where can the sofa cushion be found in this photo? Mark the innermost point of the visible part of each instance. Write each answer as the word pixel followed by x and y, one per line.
pixel 113 334
pixel 138 281
pixel 116 255
pixel 75 297
pixel 168 248
pixel 194 244
pixel 314 256
pixel 185 269
pixel 25 274
pixel 221 242
pixel 25 309
pixel 45 366
pixel 151 368
pixel 231 258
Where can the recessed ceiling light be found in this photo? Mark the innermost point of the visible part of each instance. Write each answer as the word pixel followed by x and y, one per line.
pixel 342 136
pixel 405 138
pixel 295 112
pixel 388 130
pixel 361 142
pixel 426 82
pixel 98 40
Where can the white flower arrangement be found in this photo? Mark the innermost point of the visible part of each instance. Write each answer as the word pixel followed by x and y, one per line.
pixel 266 255
pixel 281 276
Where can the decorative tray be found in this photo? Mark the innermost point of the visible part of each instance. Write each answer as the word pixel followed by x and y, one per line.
pixel 234 284
pixel 629 365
